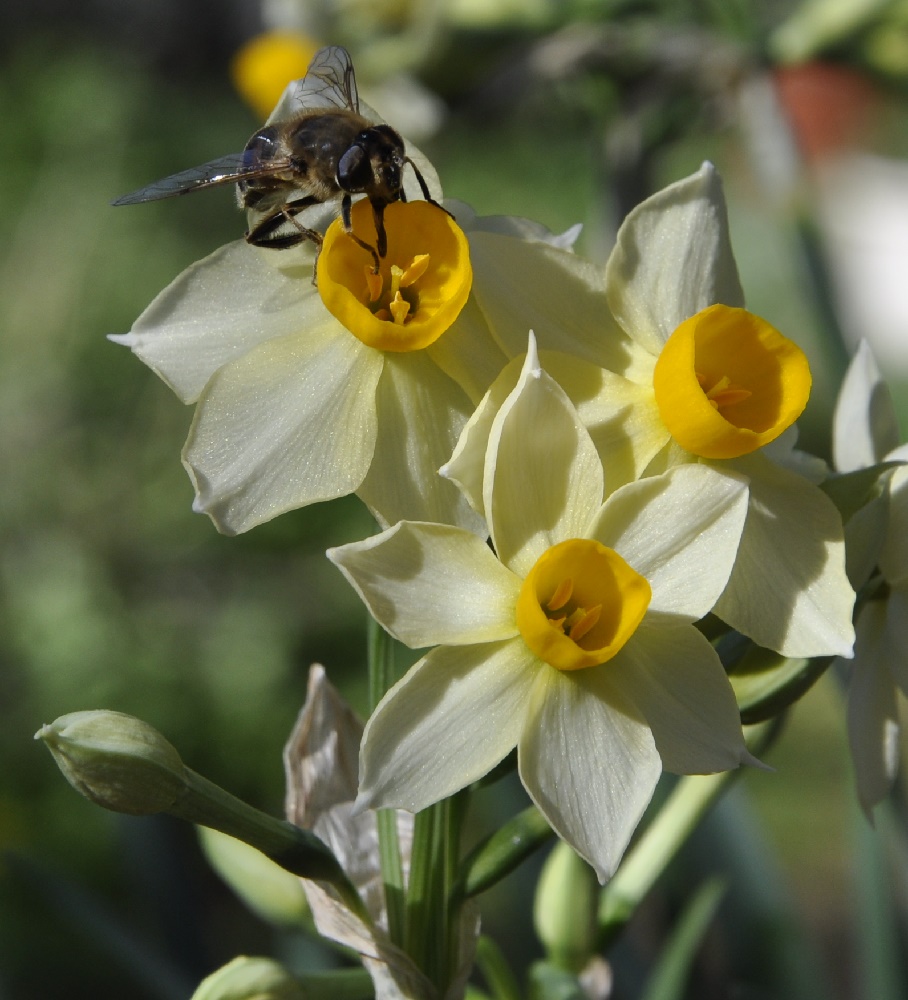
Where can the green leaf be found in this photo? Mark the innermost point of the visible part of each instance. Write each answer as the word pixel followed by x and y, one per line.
pixel 494 967
pixel 669 977
pixel 765 683
pixel 501 852
pixel 266 888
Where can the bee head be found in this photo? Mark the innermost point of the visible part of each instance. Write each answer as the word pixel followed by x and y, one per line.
pixel 373 165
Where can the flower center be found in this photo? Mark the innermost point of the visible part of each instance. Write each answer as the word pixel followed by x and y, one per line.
pixel 422 284
pixel 579 604
pixel 727 383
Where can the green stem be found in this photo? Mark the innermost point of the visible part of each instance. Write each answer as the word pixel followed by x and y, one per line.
pixel 297 851
pixel 381 677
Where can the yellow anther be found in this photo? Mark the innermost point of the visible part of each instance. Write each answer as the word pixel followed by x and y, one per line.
pixel 373 284
pixel 580 628
pixel 562 595
pixel 417 268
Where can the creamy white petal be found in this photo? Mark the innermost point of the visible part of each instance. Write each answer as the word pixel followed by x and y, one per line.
pixel 673 258
pixel 522 286
pixel 677 682
pixel 420 413
pixel 220 308
pixel 432 583
pixel 468 353
pixel 873 726
pixel 454 716
pixel 466 466
pixel 681 531
pixel 589 763
pixel 894 555
pixel 290 423
pixel 789 590
pixel 543 477
pixel 620 414
pixel 511 225
pixel 864 425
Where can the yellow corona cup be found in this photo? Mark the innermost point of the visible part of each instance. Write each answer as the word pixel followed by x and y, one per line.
pixel 423 281
pixel 727 383
pixel 580 603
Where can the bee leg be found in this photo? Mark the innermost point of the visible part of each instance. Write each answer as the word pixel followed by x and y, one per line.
pixel 346 206
pixel 263 234
pixel 425 188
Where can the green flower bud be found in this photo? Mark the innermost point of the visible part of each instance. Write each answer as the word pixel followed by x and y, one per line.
pixel 565 909
pixel 116 761
pixel 250 979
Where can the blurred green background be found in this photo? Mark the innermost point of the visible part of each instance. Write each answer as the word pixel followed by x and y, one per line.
pixel 113 594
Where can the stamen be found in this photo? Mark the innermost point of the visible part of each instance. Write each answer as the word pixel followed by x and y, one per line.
pixel 722 393
pixel 562 595
pixel 580 628
pixel 418 267
pixel 373 284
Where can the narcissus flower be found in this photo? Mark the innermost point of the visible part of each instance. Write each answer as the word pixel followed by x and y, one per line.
pixel 866 433
pixel 574 641
pixel 666 367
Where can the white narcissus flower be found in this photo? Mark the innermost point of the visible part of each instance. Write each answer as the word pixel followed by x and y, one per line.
pixel 320 761
pixel 361 384
pixel 865 433
pixel 575 643
pixel 665 367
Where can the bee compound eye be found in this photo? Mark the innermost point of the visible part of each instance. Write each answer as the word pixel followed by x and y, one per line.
pixel 354 171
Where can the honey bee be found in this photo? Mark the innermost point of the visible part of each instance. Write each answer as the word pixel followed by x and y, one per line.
pixel 315 147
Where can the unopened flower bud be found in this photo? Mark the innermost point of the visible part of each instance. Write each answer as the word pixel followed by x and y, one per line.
pixel 249 978
pixel 116 761
pixel 565 909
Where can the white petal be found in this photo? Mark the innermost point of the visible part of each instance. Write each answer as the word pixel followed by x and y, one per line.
pixel 589 763
pixel 511 225
pixel 420 413
pixel 620 414
pixel 454 716
pixel 681 531
pixel 864 426
pixel 290 423
pixel 873 726
pixel 468 353
pixel 789 590
pixel 894 556
pixel 522 286
pixel 673 258
pixel 466 467
pixel 219 309
pixel 543 478
pixel 432 583
pixel 677 682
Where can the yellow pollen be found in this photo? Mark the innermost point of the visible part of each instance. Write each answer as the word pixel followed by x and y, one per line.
pixel 562 595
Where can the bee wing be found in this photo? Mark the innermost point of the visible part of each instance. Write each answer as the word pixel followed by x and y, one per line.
pixel 224 170
pixel 329 84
